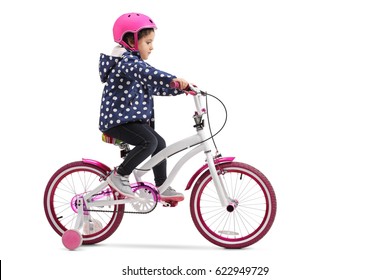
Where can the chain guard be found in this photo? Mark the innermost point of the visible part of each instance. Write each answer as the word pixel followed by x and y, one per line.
pixel 148 194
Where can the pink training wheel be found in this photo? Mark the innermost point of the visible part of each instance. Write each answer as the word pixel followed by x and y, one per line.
pixel 72 239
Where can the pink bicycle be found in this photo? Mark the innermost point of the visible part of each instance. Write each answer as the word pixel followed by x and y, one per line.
pixel 232 204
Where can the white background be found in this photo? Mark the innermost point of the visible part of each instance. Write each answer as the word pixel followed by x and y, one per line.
pixel 305 83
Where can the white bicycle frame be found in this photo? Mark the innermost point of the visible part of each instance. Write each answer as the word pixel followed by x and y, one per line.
pixel 200 143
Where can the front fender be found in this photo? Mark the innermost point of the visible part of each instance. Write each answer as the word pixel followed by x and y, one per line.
pixel 200 171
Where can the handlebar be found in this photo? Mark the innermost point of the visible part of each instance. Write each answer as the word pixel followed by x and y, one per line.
pixel 190 89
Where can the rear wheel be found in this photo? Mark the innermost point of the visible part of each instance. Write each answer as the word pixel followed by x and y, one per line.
pixel 71 182
pixel 246 219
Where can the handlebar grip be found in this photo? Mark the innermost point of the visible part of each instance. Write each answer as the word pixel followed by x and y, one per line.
pixel 174 84
pixel 187 90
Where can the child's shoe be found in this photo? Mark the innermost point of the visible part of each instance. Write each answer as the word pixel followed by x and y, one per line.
pixel 171 195
pixel 120 183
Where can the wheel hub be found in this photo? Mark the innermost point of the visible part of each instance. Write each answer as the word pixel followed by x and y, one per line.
pixel 232 205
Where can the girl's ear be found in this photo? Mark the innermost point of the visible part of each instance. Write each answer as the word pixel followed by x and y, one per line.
pixel 131 44
pixel 129 41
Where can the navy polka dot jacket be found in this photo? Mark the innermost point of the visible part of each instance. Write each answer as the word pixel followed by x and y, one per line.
pixel 130 84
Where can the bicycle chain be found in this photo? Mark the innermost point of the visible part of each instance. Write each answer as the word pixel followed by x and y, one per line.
pixel 122 211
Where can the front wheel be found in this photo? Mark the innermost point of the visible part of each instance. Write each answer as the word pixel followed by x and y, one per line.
pixel 246 219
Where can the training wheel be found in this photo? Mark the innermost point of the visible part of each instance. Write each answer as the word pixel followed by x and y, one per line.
pixel 72 239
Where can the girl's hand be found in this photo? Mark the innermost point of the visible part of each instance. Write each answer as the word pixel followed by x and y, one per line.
pixel 183 83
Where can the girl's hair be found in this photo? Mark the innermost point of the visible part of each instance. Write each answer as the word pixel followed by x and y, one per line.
pixel 129 36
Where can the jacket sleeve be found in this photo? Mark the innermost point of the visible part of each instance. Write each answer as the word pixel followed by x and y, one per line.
pixel 137 69
pixel 162 91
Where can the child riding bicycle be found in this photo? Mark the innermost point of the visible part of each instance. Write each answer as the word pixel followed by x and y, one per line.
pixel 127 110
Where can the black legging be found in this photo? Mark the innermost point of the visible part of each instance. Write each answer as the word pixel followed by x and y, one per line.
pixel 146 141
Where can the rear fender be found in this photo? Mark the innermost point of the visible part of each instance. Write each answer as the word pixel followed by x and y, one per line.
pixel 98 164
pixel 201 170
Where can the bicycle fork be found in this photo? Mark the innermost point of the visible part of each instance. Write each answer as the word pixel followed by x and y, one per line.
pixel 224 198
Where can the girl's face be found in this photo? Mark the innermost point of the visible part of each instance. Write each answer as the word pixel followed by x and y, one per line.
pixel 145 45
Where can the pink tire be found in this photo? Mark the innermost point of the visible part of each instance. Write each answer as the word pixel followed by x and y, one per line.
pixel 249 216
pixel 71 182
pixel 72 239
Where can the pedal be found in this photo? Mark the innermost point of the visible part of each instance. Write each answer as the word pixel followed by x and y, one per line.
pixel 169 203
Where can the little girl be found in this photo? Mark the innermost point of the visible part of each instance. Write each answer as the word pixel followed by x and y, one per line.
pixel 126 111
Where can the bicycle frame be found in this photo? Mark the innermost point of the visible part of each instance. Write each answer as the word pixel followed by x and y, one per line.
pixel 200 143
pixel 195 140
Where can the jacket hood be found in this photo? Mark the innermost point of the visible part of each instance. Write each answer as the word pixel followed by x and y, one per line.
pixel 106 64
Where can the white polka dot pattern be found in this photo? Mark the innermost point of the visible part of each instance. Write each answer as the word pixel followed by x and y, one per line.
pixel 130 84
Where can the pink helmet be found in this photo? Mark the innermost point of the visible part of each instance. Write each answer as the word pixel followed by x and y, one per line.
pixel 131 22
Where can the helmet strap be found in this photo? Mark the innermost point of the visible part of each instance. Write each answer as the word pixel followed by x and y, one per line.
pixel 135 41
pixel 127 46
